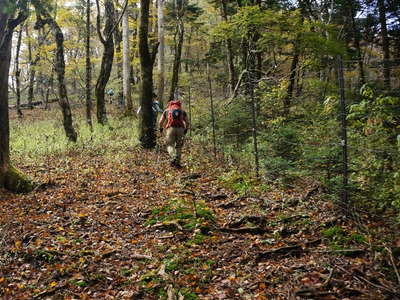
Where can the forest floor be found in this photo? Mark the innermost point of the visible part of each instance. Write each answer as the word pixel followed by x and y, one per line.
pixel 128 226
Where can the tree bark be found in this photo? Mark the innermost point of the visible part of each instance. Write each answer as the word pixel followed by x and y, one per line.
pixel 107 59
pixel 146 124
pixel 385 44
pixel 126 64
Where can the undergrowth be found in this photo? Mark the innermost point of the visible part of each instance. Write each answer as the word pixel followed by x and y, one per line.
pixel 34 142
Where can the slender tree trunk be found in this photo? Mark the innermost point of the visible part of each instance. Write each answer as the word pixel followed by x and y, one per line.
pixel 177 59
pixel 107 59
pixel 62 89
pixel 161 52
pixel 126 58
pixel 31 68
pixel 292 81
pixel 18 73
pixel 118 53
pixel 385 44
pixel 229 52
pixel 59 67
pixel 50 84
pixel 146 124
pixel 88 70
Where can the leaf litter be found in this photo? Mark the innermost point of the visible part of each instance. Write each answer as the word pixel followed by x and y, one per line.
pixel 134 228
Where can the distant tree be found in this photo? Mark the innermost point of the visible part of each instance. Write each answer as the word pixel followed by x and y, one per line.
pixel 11 15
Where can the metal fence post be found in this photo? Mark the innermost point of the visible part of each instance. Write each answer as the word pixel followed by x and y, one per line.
pixel 343 115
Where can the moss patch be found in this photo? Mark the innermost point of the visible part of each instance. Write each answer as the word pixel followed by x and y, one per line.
pixel 17 182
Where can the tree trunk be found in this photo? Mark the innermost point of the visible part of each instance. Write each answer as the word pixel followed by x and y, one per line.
pixel 88 70
pixel 292 81
pixel 31 69
pixel 161 52
pixel 50 87
pixel 62 89
pixel 126 64
pixel 18 73
pixel 177 59
pixel 40 78
pixel 229 52
pixel 10 178
pixel 385 44
pixel 118 53
pixel 107 59
pixel 59 67
pixel 5 56
pixel 146 124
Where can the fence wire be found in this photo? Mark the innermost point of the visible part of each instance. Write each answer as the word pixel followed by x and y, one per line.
pixel 326 147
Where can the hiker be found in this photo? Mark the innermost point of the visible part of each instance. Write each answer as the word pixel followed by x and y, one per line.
pixel 156 108
pixel 110 93
pixel 175 121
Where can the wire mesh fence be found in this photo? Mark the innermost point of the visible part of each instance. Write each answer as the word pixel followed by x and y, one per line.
pixel 340 145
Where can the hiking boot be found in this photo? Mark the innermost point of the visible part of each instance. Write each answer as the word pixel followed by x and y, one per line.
pixel 173 163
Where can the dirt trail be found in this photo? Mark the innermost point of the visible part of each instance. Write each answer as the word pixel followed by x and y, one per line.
pixel 133 228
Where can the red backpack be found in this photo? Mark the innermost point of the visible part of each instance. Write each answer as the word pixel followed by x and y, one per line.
pixel 175 114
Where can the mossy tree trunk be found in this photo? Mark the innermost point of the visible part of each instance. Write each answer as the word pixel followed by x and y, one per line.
pixel 10 178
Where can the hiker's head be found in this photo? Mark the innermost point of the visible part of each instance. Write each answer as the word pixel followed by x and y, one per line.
pixel 154 96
